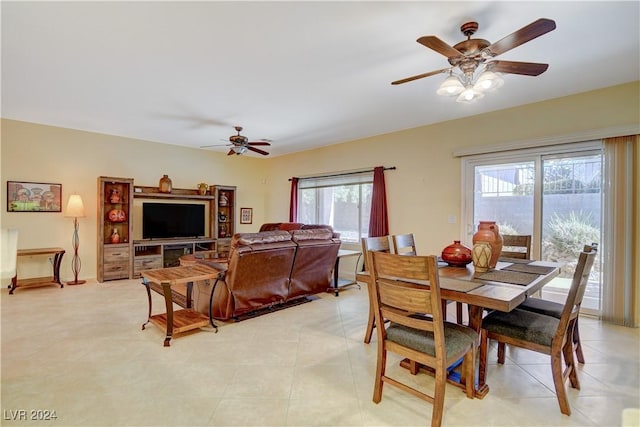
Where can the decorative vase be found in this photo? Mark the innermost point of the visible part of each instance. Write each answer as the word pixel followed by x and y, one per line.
pixel 488 231
pixel 202 188
pixel 114 196
pixel 117 215
pixel 481 256
pixel 115 237
pixel 456 254
pixel 165 184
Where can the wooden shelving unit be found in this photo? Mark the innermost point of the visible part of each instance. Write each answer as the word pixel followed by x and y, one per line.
pixel 162 253
pixel 225 215
pixel 115 228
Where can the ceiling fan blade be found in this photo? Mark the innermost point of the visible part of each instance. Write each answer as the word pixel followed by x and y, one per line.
pixel 513 67
pixel 231 153
pixel 434 43
pixel 521 36
pixel 257 150
pixel 420 76
pixel 258 143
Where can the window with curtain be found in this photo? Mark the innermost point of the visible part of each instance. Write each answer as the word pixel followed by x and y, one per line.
pixel 342 201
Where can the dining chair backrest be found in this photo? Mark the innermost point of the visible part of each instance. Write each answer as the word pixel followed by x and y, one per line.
pixel 9 241
pixel 517 246
pixel 399 300
pixel 405 290
pixel 404 244
pixel 578 286
pixel 371 244
pixel 375 244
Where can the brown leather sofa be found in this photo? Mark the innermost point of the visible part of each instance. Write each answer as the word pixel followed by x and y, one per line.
pixel 290 226
pixel 269 268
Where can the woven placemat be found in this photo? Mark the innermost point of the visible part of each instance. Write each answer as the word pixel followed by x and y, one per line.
pixel 458 285
pixel 527 268
pixel 514 277
pixel 515 260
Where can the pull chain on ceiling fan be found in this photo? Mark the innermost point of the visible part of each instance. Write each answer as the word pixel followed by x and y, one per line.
pixel 471 56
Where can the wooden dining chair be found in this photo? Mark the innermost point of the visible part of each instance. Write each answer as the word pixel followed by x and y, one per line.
pixel 404 244
pixel 417 329
pixel 518 246
pixel 542 333
pixel 554 309
pixel 371 244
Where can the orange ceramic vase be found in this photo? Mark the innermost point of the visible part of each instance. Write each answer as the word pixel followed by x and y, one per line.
pixel 489 232
pixel 456 254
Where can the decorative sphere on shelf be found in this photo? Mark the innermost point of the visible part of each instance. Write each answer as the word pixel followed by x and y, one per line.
pixel 117 215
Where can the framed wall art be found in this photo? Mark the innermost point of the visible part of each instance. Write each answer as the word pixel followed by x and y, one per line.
pixel 33 197
pixel 246 215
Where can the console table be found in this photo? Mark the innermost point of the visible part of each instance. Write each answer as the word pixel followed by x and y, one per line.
pixel 339 283
pixel 181 320
pixel 56 253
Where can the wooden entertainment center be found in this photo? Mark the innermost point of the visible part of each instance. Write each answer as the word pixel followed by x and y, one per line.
pixel 121 257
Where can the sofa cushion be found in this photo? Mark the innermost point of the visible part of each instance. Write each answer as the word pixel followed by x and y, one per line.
pixel 314 226
pixel 250 239
pixel 288 226
pixel 270 226
pixel 311 234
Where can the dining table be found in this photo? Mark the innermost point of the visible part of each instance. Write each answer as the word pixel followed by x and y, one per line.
pixel 502 288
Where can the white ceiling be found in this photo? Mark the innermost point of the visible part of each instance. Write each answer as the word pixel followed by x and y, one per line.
pixel 304 74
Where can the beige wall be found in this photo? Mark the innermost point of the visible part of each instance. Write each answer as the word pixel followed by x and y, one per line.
pixel 75 159
pixel 422 192
pixel 425 188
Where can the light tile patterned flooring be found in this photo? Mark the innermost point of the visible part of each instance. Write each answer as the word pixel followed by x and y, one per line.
pixel 80 351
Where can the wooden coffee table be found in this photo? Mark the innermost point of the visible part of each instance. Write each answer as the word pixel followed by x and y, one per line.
pixel 181 320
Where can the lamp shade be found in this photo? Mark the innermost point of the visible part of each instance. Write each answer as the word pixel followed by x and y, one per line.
pixel 469 95
pixel 239 149
pixel 488 81
pixel 75 207
pixel 451 86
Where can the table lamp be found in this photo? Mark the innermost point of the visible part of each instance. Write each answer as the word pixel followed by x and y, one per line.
pixel 75 210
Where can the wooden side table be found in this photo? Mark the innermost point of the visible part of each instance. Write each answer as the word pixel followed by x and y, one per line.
pixel 57 254
pixel 181 320
pixel 341 283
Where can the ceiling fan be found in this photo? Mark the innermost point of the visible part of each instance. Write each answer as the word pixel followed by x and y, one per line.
pixel 240 144
pixel 469 55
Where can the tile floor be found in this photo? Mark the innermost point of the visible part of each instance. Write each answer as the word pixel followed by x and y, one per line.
pixel 80 351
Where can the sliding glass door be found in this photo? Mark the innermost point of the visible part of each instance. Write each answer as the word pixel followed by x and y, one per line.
pixel 553 194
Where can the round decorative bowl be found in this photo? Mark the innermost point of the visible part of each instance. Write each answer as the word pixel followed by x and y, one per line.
pixel 456 254
pixel 117 215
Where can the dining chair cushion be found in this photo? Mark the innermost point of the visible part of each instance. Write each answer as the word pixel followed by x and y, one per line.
pixel 523 325
pixel 542 306
pixel 456 338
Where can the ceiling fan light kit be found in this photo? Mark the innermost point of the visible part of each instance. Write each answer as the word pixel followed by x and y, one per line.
pixel 240 144
pixel 471 54
pixel 239 149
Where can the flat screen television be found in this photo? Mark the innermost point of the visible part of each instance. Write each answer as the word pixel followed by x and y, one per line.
pixel 166 220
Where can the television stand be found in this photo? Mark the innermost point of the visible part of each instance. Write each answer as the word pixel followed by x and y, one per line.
pixel 149 254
